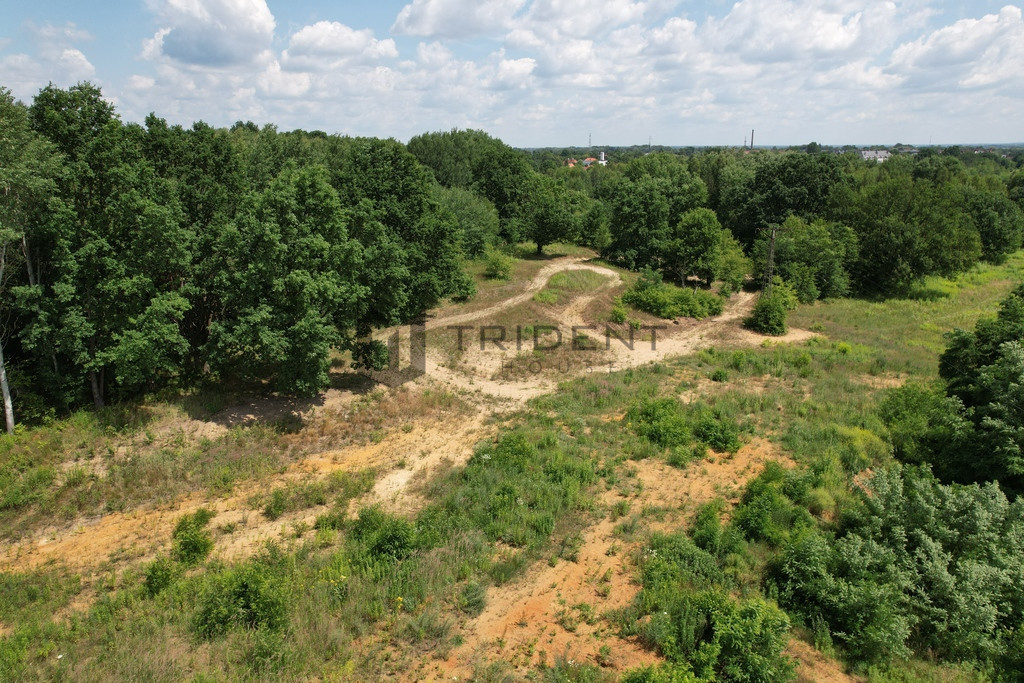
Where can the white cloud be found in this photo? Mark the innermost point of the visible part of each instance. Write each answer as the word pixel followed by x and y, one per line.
pixel 56 59
pixel 277 83
pixel 455 18
pixel 585 18
pixel 796 70
pixel 212 33
pixel 969 53
pixel 326 43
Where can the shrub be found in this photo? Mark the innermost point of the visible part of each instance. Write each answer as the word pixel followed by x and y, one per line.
pixel 247 597
pixel 717 431
pixel 383 536
pixel 497 264
pixel 160 575
pixel 192 542
pixel 618 313
pixel 769 316
pixel 662 421
pixel 667 301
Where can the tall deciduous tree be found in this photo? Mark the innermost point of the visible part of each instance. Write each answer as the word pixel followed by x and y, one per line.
pixel 27 168
pixel 287 284
pixel 117 250
pixel 694 246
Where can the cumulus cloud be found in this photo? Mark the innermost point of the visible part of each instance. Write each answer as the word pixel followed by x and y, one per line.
pixel 540 71
pixel 455 18
pixel 211 33
pixel 57 58
pixel 328 44
pixel 970 53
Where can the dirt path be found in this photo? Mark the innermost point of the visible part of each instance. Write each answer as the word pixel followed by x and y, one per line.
pixel 401 460
pixel 485 371
pixel 537 617
pixel 536 284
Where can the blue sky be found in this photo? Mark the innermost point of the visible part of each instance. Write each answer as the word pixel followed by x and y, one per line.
pixel 544 72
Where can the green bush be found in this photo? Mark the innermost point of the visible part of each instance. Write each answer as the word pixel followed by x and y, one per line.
pixel 277 505
pixel 667 301
pixel 685 615
pixel 662 421
pixel 497 264
pixel 192 542
pixel 383 536
pixel 618 313
pixel 769 316
pixel 717 431
pixel 669 424
pixel 248 597
pixel 160 574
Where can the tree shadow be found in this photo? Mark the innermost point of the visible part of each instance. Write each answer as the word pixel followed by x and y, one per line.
pixel 257 405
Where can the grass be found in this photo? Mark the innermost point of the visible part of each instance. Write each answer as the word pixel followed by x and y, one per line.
pixel 376 593
pixel 908 332
pixel 565 286
pixel 341 486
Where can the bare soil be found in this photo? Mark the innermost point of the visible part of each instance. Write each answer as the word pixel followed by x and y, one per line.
pixel 537 617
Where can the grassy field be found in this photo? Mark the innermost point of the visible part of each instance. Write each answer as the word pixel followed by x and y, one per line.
pixel 367 593
pixel 908 332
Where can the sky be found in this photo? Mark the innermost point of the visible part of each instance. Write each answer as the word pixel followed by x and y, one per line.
pixel 539 73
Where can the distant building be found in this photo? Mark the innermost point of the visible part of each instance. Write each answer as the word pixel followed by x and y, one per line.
pixel 588 162
pixel 875 155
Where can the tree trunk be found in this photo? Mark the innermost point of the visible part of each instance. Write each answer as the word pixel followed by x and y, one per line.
pixel 97 390
pixel 28 261
pixel 540 248
pixel 8 404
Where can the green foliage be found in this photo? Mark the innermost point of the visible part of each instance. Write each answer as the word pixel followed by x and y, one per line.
pixel 191 541
pixel 984 371
pixel 646 204
pixel 767 511
pixel 664 300
pixel 815 257
pixel 694 247
pixel 916 565
pixel 669 424
pixel 663 421
pixel 384 537
pixel 734 266
pixel 699 627
pixel 769 316
pixel 160 574
pixel 475 216
pixel 497 264
pixel 249 596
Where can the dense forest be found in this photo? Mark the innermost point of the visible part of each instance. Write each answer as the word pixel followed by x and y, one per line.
pixel 140 262
pixel 140 257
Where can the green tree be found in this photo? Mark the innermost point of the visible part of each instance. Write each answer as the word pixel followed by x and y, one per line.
pixel 815 257
pixel 552 213
pixel 694 247
pixel 286 280
pixel 28 166
pixel 475 216
pixel 117 250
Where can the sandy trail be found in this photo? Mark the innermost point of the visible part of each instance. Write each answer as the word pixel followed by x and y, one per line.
pixel 524 618
pixel 536 284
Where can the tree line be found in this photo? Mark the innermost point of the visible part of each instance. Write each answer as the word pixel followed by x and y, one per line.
pixel 843 225
pixel 139 257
